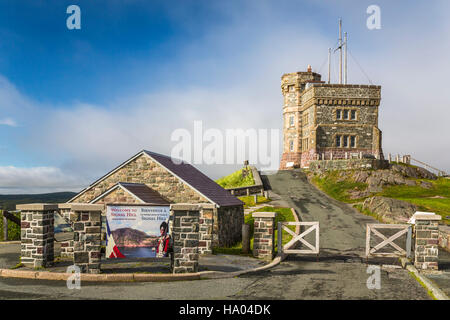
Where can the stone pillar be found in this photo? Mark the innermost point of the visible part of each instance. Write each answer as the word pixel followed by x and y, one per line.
pixel 206 220
pixel 263 235
pixel 37 234
pixel 86 224
pixel 427 241
pixel 185 234
pixel 389 158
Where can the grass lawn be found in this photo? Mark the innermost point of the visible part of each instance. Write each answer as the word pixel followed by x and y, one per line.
pixel 236 180
pixel 338 189
pixel 435 199
pixel 250 200
pixel 283 214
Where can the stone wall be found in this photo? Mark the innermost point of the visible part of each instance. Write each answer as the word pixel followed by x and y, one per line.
pixel 263 241
pixel 118 196
pixel 246 191
pixel 318 165
pixel 37 234
pixel 426 248
pixel 87 236
pixel 185 235
pixel 144 170
pixel 230 221
pixel 206 220
pixel 73 212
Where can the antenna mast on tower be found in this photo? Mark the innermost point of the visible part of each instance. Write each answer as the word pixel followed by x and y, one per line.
pixel 340 51
pixel 345 57
pixel 329 65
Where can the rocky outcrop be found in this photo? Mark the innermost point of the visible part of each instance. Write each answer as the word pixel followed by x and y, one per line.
pixel 390 210
pixel 413 172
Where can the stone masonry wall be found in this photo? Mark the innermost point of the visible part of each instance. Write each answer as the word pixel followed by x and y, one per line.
pixel 87 240
pixel 185 234
pixel 230 221
pixel 37 234
pixel 263 241
pixel 118 196
pixel 144 170
pixel 427 234
pixel 319 165
pixel 206 228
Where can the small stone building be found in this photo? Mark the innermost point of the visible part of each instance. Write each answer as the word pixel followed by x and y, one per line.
pixel 328 121
pixel 150 178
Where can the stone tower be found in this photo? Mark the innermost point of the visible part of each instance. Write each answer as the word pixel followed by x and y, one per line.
pixel 328 121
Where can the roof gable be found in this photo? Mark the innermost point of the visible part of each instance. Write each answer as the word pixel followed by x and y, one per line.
pixel 184 172
pixel 141 192
pixel 196 179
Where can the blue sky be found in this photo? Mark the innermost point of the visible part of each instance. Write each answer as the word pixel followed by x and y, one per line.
pixel 75 103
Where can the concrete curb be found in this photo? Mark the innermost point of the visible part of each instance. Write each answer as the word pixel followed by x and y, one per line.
pixel 121 277
pixel 222 275
pixel 133 277
pixel 438 293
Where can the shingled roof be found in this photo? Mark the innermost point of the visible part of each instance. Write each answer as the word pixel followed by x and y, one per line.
pixel 196 179
pixel 187 174
pixel 140 191
pixel 145 193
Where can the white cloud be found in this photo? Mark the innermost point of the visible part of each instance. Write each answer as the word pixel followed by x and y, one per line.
pixel 8 122
pixel 236 69
pixel 36 180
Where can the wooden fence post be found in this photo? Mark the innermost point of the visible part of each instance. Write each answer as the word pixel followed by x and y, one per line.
pixel 5 229
pixel 280 239
pixel 245 238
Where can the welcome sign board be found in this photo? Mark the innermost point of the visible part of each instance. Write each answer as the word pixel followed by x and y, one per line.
pixel 135 231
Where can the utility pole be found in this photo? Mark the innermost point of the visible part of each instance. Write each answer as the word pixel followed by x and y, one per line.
pixel 345 57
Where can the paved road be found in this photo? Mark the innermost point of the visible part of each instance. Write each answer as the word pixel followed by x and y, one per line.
pixel 339 273
pixel 342 228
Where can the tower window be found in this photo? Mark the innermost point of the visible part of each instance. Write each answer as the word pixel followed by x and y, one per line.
pixel 345 114
pixel 305 119
pixel 345 142
pixel 291 121
pixel 338 114
pixel 305 145
pixel 352 141
pixel 291 145
pixel 338 141
pixel 353 114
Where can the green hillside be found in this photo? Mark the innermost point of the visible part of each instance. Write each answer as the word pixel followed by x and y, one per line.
pixel 9 201
pixel 237 179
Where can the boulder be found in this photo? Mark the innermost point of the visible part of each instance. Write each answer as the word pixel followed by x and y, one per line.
pixel 413 172
pixel 390 210
pixel 426 185
pixel 361 176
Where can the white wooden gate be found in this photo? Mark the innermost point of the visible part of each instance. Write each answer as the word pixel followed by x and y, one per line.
pixel 404 228
pixel 298 237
